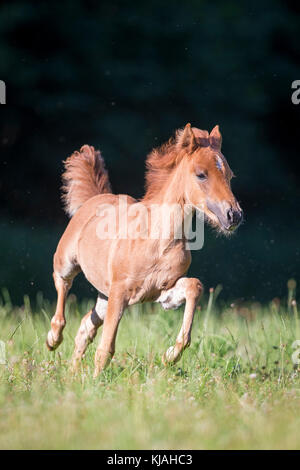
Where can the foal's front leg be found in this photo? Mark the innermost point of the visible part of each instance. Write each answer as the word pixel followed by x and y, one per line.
pixel 186 290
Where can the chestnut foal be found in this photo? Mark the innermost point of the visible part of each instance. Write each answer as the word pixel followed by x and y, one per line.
pixel 189 169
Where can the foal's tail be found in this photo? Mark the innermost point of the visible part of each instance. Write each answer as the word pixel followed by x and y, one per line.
pixel 85 176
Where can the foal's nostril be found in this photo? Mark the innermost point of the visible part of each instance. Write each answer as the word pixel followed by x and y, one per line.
pixel 234 217
pixel 230 216
pixel 237 217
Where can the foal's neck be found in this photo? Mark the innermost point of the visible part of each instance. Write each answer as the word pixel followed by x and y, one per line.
pixel 169 201
pixel 172 190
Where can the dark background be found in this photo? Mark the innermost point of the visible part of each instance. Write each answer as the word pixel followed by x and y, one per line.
pixel 123 76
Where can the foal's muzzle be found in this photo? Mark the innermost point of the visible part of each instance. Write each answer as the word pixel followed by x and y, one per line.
pixel 229 216
pixel 234 218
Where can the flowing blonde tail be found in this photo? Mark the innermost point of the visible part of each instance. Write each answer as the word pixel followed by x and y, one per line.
pixel 85 176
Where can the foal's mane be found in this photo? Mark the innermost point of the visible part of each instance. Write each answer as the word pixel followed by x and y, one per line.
pixel 159 163
pixel 162 160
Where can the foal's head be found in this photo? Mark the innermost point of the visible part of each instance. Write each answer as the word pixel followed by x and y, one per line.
pixel 207 177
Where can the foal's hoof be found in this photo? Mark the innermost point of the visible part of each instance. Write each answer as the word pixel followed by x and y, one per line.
pixel 50 343
pixel 51 348
pixel 171 357
pixel 168 357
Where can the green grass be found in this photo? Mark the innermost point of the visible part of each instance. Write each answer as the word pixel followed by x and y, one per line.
pixel 236 387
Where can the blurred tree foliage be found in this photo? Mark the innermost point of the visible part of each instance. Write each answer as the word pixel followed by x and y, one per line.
pixel 123 76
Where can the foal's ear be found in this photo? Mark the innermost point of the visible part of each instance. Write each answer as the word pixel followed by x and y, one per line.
pixel 186 138
pixel 215 137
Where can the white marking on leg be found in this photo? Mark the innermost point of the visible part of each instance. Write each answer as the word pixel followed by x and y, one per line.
pixel 173 298
pixel 88 328
pixel 101 307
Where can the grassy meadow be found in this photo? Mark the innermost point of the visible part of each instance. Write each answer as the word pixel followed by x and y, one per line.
pixel 236 387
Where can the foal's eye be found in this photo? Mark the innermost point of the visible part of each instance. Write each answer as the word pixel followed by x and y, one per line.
pixel 202 176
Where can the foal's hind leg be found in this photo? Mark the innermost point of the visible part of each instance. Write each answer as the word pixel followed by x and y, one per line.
pixel 58 322
pixel 188 290
pixel 88 329
pixel 106 348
